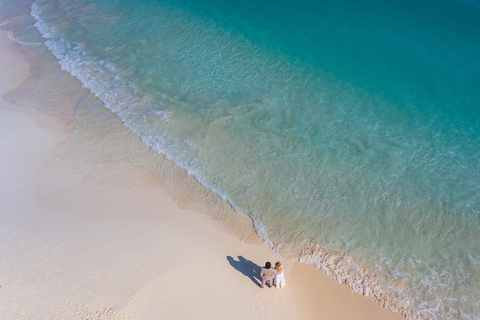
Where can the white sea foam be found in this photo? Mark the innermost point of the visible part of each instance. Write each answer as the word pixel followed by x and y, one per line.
pixel 163 114
pixel 11 36
pixel 42 27
pixel 262 232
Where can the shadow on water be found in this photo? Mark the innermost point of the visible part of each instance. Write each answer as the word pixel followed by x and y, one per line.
pixel 247 268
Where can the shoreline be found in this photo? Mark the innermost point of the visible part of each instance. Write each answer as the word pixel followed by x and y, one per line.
pixel 136 245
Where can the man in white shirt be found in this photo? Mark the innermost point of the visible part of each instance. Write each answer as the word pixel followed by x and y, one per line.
pixel 268 274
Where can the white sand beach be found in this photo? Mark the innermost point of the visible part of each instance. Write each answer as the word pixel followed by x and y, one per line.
pixel 75 249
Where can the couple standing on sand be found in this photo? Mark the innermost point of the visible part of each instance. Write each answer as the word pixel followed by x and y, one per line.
pixel 269 274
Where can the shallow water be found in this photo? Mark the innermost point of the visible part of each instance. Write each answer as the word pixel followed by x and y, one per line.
pixel 348 131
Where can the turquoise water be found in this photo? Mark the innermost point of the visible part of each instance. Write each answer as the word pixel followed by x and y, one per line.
pixel 348 130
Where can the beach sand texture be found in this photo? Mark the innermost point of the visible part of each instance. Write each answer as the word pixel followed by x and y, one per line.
pixel 75 248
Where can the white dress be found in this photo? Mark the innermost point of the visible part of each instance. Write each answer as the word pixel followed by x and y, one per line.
pixel 280 278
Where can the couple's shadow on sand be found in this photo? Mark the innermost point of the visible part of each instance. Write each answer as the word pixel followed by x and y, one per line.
pixel 247 268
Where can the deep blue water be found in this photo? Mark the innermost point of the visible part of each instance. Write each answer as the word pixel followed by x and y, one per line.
pixel 348 130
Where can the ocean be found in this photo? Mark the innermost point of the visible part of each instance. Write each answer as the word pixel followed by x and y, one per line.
pixel 348 131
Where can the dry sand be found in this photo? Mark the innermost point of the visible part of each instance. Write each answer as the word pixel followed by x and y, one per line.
pixel 73 249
